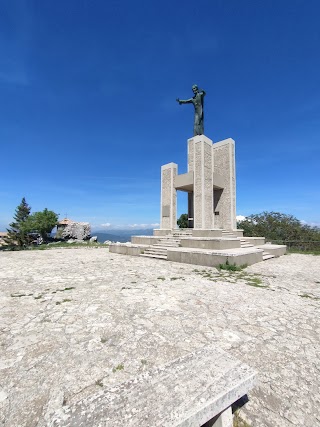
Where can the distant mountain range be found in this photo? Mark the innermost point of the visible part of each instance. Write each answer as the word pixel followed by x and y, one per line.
pixel 120 235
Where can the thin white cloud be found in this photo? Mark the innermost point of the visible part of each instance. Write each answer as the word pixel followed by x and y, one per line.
pixel 106 224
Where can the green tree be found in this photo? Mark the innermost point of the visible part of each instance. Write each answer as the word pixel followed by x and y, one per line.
pixel 42 222
pixel 183 221
pixel 279 227
pixel 17 233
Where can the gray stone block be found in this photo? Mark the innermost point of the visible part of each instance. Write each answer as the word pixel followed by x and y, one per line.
pixel 210 243
pixel 187 392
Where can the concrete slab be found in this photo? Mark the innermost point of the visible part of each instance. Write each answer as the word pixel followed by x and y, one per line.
pixel 213 258
pixel 186 392
pixel 127 248
pixel 277 250
pixel 214 243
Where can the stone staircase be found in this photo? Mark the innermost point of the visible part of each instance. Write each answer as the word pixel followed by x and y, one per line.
pixel 182 232
pixel 226 233
pixel 266 255
pixel 153 252
pixel 246 244
pixel 159 250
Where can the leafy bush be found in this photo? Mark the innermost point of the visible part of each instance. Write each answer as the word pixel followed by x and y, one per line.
pixel 183 221
pixel 281 228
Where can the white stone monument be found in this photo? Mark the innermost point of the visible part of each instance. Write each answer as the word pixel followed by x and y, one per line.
pixel 212 237
pixel 210 183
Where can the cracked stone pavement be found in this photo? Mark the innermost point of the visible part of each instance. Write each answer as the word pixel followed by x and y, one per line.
pixel 75 320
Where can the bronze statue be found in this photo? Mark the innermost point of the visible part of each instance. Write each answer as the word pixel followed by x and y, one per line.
pixel 197 101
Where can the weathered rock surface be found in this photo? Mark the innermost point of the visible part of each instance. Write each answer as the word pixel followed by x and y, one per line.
pixel 76 230
pixel 75 320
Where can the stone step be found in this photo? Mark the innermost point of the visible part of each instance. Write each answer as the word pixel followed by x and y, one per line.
pixel 169 240
pixel 266 255
pixel 159 251
pixel 246 245
pixel 166 245
pixel 154 256
pixel 226 233
pixel 181 234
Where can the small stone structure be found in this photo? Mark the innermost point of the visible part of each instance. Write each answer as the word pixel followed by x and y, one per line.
pixel 212 237
pixel 198 389
pixel 68 229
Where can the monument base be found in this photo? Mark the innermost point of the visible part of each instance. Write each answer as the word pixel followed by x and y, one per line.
pixel 201 247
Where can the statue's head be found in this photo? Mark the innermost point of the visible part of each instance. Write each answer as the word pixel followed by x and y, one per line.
pixel 195 89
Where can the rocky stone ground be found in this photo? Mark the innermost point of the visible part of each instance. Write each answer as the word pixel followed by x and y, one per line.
pixel 75 320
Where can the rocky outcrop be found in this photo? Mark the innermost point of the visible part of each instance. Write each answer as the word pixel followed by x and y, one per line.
pixel 76 230
pixel 3 236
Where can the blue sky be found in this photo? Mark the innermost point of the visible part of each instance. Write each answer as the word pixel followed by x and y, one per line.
pixel 88 112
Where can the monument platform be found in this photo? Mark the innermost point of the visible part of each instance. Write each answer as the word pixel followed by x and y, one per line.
pixel 180 245
pixel 212 237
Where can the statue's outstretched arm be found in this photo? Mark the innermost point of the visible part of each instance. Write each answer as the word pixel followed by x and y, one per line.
pixel 184 101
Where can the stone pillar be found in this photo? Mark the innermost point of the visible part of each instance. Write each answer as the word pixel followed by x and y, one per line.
pixel 201 164
pixel 168 215
pixel 225 200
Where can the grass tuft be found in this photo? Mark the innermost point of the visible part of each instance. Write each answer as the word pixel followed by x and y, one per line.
pixel 309 296
pixel 120 367
pixel 231 267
